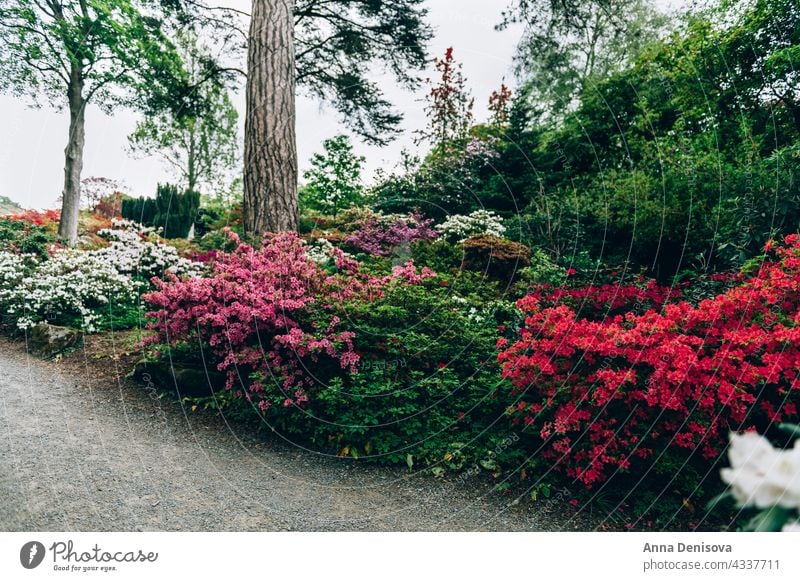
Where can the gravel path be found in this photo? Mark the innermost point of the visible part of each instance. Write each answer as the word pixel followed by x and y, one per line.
pixel 78 456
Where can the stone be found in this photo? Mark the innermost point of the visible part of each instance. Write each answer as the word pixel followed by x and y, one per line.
pixel 49 340
pixel 187 381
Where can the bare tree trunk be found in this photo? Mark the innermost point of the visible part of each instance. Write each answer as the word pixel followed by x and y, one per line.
pixel 270 150
pixel 73 160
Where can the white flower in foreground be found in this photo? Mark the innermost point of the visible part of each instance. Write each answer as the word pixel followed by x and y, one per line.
pixel 791 527
pixel 760 475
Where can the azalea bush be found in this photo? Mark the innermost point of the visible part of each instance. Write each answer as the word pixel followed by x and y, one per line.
pixel 137 251
pixel 47 218
pixel 398 367
pixel 74 288
pixel 380 234
pixel 597 301
pixel 21 237
pixel 269 316
pixel 323 252
pixel 658 391
pixel 89 289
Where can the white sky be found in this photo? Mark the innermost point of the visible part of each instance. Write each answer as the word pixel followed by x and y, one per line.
pixel 32 140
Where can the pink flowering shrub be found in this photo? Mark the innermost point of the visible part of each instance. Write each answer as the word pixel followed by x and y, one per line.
pixel 378 235
pixel 269 316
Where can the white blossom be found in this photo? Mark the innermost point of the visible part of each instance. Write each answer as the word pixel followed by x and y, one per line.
pixel 87 284
pixel 791 527
pixel 479 223
pixel 760 475
pixel 321 251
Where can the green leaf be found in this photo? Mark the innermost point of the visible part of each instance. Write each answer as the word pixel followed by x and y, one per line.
pixel 792 429
pixel 410 461
pixel 769 520
pixel 719 499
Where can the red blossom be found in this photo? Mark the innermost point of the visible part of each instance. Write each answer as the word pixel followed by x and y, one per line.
pixel 594 390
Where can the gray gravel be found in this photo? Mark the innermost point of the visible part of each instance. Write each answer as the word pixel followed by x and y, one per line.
pixel 78 456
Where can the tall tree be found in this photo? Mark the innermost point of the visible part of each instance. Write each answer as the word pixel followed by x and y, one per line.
pixel 328 48
pixel 270 148
pixel 201 144
pixel 569 44
pixel 76 52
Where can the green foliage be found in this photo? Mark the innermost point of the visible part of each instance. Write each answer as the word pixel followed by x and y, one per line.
pixel 8 206
pixel 141 210
pixel 22 237
pixel 206 218
pixel 542 270
pixel 334 178
pixel 426 385
pixel 199 144
pixel 686 158
pixel 175 211
pixel 568 46
pixel 438 255
pixel 172 211
pixel 117 49
pixel 115 316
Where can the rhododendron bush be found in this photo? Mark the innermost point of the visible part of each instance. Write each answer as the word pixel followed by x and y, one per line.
pixel 380 234
pixel 270 316
pixel 90 289
pixel 633 391
pixel 72 287
pixel 600 300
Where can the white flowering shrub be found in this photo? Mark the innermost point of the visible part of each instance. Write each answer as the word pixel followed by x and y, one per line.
pixel 137 251
pixel 13 268
pixel 763 477
pixel 88 288
pixel 71 287
pixel 458 227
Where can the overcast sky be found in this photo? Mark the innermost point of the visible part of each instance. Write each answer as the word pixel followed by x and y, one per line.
pixel 32 140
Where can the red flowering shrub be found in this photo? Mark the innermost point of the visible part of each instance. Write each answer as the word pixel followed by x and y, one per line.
pixel 592 301
pixel 268 316
pixel 201 256
pixel 633 390
pixel 45 218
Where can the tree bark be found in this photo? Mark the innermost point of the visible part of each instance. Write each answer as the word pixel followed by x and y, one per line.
pixel 73 160
pixel 270 150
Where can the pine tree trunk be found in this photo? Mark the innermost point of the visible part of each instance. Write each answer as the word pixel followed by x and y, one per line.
pixel 270 150
pixel 73 160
